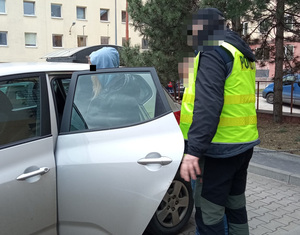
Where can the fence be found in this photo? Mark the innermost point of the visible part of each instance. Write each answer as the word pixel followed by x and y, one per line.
pixel 289 98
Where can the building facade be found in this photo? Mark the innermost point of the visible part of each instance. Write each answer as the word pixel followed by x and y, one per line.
pixel 30 29
pixel 265 56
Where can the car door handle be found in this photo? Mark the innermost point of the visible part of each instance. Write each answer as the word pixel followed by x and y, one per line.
pixel 41 171
pixel 155 158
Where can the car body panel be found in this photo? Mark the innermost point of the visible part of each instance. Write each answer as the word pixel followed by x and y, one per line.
pixel 99 181
pixel 112 163
pixel 28 170
pixel 28 206
pixel 288 80
pixel 111 171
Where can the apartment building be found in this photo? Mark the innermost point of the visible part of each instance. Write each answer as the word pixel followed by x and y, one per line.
pixel 30 29
pixel 266 66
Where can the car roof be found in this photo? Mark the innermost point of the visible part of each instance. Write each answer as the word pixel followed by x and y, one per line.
pixel 31 67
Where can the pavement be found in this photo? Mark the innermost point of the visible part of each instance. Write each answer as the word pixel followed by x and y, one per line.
pixel 273 194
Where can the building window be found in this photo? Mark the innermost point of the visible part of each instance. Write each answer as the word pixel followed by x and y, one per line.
pixel 145 43
pixel 289 21
pixel 3 38
pixel 262 53
pixel 104 14
pixel 2 6
pixel 289 51
pixel 57 40
pixel 264 26
pixel 30 39
pixel 123 16
pixel 29 8
pixel 81 41
pixel 245 28
pixel 104 40
pixel 56 10
pixel 80 13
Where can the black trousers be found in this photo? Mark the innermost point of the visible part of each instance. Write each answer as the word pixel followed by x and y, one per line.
pixel 222 191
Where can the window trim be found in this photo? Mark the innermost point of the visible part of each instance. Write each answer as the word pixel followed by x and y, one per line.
pixel 287 24
pixel 62 44
pixel 145 46
pixel 3 12
pixel 34 13
pixel 286 51
pixel 264 51
pixel 81 7
pixel 35 34
pixel 123 11
pixel 66 119
pixel 107 12
pixel 82 36
pixel 106 37
pixel 60 8
pixel 45 122
pixel 245 28
pixel 6 34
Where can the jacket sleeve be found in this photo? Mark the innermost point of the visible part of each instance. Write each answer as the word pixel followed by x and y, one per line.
pixel 209 99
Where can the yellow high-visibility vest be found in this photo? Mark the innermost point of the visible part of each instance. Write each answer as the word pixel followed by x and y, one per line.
pixel 238 121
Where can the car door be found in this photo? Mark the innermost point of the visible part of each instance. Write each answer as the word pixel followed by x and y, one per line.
pixel 288 81
pixel 28 176
pixel 117 153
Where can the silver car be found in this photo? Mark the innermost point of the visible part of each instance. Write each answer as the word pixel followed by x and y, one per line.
pixel 84 152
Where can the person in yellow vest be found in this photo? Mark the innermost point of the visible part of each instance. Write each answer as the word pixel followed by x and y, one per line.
pixel 218 121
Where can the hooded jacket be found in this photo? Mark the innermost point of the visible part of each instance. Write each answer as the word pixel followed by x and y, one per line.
pixel 106 57
pixel 209 98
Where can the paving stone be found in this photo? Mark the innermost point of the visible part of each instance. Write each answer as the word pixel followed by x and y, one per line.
pixel 286 219
pixel 269 200
pixel 267 217
pixel 261 210
pixel 278 196
pixel 295 214
pixel 279 231
pixel 292 226
pixel 255 222
pixel 273 207
pixel 288 207
pixel 260 231
pixel 251 214
pixel 256 204
pixel 279 212
pixel 273 225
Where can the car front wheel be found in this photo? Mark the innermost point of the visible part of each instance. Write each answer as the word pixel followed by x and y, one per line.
pixel 174 210
pixel 270 98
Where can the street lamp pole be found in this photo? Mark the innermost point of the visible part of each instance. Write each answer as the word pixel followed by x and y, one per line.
pixel 127 30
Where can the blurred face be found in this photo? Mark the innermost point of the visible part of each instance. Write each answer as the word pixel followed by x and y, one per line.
pixel 205 32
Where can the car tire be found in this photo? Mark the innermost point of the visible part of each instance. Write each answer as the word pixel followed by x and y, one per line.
pixel 270 97
pixel 176 208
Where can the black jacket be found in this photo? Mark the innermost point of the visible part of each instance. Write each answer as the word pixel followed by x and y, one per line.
pixel 212 73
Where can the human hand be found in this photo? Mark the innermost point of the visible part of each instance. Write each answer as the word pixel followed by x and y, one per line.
pixel 190 167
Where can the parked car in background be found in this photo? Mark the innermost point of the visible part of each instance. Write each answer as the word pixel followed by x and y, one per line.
pixel 88 152
pixel 287 81
pixel 178 94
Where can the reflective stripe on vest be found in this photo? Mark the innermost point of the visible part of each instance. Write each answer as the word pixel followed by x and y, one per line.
pixel 238 118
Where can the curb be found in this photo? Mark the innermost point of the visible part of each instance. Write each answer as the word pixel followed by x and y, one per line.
pixel 274 173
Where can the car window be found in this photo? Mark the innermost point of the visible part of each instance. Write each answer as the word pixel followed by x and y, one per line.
pixel 19 109
pixel 112 100
pixel 287 80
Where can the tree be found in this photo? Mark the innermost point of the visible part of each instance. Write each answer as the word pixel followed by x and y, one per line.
pixel 281 16
pixel 160 22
